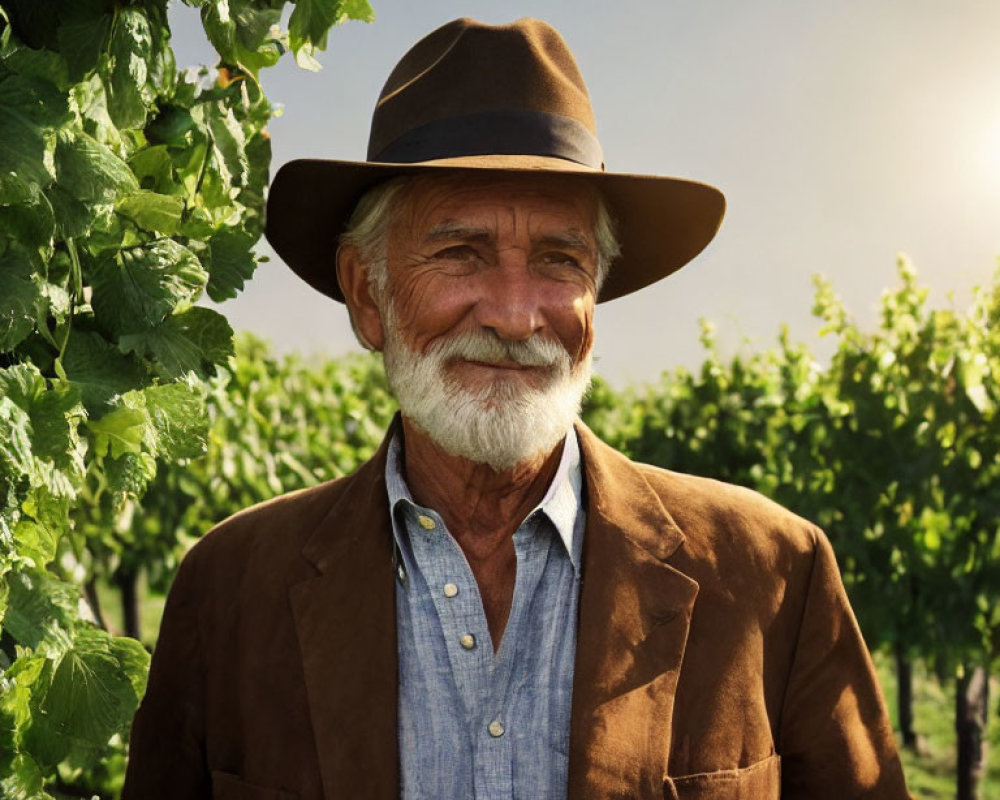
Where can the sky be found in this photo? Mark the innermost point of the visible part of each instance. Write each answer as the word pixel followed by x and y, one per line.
pixel 842 134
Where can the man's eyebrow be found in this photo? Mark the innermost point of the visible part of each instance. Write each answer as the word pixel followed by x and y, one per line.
pixel 450 231
pixel 572 239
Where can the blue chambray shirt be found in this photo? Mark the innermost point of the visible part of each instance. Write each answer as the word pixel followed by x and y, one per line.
pixel 473 724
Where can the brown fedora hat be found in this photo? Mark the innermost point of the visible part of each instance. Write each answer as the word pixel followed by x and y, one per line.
pixel 506 99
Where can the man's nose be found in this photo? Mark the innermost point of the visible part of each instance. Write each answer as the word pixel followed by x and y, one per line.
pixel 511 302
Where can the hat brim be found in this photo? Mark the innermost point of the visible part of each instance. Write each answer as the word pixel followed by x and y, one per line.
pixel 662 222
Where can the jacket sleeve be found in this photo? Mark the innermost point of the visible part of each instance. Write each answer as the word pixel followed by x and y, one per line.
pixel 836 740
pixel 166 747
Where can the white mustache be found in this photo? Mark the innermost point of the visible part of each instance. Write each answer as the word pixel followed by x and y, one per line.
pixel 487 348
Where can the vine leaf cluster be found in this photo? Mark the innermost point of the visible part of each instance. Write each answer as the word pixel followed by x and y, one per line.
pixel 129 190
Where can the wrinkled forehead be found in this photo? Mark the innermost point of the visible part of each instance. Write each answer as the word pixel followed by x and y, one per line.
pixel 551 200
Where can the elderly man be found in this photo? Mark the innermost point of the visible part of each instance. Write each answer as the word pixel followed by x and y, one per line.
pixel 498 604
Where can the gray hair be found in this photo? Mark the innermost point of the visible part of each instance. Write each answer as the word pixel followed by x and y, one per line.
pixel 368 231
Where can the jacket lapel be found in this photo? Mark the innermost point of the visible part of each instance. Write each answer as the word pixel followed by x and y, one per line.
pixel 635 611
pixel 346 625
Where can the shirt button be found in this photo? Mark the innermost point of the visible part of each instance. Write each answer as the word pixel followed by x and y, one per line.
pixel 450 590
pixel 468 641
pixel 496 729
pixel 426 522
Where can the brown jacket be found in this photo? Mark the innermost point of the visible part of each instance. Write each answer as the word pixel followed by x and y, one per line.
pixel 717 656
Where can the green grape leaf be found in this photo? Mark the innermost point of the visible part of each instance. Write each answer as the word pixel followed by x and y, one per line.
pixel 177 413
pixel 133 659
pixel 86 698
pixel 192 340
pixel 311 20
pixel 35 23
pixel 22 383
pixel 158 213
pixel 181 422
pixel 72 216
pixel 130 51
pixel 22 141
pixel 55 415
pixel 163 66
pixel 41 610
pixel 15 438
pixel 47 508
pixel 22 675
pixel 53 418
pixel 35 541
pixel 90 171
pixel 231 263
pixel 230 141
pixel 359 10
pixel 92 102
pixel 256 45
pixel 99 370
pixel 154 168
pixel 30 221
pixel 82 39
pixel 121 431
pixel 34 99
pixel 47 66
pixel 143 285
pixel 220 27
pixel 23 779
pixel 19 297
pixel 58 454
pixel 14 190
pixel 130 473
pixel 259 160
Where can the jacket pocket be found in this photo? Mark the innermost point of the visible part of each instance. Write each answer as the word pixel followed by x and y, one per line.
pixel 760 781
pixel 230 787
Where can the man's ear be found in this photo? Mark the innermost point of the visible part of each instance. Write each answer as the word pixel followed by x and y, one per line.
pixel 365 316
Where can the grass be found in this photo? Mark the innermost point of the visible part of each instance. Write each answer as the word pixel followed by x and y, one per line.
pixel 930 773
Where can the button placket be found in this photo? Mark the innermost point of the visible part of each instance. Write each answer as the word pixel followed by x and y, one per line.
pixel 456 601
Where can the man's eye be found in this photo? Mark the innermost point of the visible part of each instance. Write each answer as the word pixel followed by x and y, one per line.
pixel 564 259
pixel 461 252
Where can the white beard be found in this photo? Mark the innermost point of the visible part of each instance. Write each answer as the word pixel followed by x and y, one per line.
pixel 501 424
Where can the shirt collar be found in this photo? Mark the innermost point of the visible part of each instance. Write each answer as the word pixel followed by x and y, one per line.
pixel 562 503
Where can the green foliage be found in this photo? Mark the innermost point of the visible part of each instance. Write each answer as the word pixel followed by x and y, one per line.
pixel 915 460
pixel 278 424
pixel 127 191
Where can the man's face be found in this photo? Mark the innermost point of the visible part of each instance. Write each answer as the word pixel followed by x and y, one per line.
pixel 489 312
pixel 517 258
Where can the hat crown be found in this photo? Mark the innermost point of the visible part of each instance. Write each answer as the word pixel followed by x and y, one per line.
pixel 489 101
pixel 467 70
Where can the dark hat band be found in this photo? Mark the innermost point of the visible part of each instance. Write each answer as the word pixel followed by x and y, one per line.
pixel 504 132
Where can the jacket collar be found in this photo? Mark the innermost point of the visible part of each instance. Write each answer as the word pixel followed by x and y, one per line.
pixel 635 611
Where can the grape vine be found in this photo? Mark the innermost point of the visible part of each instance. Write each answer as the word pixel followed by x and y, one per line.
pixel 128 190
